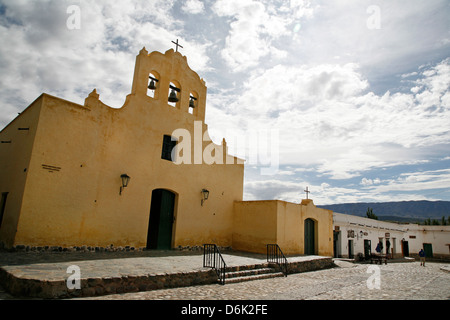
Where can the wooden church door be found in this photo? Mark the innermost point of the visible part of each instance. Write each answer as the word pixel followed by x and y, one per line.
pixel 309 237
pixel 161 220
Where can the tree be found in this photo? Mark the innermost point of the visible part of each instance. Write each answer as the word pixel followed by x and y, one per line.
pixel 436 222
pixel 370 214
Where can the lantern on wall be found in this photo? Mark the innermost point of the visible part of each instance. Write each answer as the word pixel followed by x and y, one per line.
pixel 205 195
pixel 125 180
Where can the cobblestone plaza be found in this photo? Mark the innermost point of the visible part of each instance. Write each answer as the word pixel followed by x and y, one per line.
pixel 348 281
pixel 398 281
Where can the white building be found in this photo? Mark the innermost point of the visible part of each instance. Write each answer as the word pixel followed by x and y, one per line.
pixel 357 236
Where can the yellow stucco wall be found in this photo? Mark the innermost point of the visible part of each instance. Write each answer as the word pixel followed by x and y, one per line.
pixel 324 226
pixel 15 154
pixel 258 223
pixel 63 174
pixel 290 227
pixel 76 201
pixel 254 225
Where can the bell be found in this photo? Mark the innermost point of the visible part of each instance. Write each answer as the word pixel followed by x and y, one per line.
pixel 173 96
pixel 191 103
pixel 152 85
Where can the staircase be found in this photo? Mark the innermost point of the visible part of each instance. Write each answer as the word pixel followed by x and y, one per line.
pixel 276 265
pixel 251 272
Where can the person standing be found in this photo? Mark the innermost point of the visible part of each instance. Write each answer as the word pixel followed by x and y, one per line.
pixel 388 246
pixel 422 257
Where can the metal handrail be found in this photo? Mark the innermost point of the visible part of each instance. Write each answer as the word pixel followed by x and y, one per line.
pixel 212 258
pixel 275 255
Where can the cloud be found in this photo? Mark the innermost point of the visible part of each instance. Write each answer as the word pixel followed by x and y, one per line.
pixel 348 102
pixel 39 53
pixel 341 131
pixel 274 189
pixel 414 181
pixel 408 186
pixel 369 182
pixel 293 191
pixel 326 116
pixel 254 26
pixel 339 29
pixel 193 7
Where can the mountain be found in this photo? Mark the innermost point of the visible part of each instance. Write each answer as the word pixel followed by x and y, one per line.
pixel 402 211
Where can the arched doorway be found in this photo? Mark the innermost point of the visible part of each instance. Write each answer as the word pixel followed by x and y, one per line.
pixel 161 220
pixel 310 237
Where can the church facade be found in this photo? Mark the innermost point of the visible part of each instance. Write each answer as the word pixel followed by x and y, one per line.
pixel 146 175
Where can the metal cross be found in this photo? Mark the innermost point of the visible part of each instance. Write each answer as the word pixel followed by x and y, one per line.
pixel 307 191
pixel 177 45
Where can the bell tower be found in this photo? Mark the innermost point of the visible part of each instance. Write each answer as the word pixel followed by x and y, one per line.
pixel 168 79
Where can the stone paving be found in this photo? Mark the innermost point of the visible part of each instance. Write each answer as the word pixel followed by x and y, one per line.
pixel 45 275
pixel 347 281
pixel 398 281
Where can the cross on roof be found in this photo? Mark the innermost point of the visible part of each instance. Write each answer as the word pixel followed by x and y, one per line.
pixel 177 45
pixel 307 191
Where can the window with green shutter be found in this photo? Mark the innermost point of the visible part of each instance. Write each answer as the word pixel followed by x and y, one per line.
pixel 168 145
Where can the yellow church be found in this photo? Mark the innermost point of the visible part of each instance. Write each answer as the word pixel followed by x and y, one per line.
pixel 146 175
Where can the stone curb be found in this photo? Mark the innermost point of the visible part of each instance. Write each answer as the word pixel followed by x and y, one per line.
pixel 98 286
pixel 57 289
pixel 445 268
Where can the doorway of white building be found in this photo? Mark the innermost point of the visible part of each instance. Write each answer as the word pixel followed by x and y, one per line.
pixel 351 253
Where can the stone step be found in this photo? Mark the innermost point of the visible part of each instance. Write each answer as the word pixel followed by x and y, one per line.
pixel 254 277
pixel 248 272
pixel 247 267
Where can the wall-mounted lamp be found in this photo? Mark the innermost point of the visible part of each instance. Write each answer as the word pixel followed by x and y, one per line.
pixel 205 195
pixel 125 180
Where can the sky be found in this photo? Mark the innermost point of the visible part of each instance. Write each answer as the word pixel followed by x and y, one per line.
pixel 349 98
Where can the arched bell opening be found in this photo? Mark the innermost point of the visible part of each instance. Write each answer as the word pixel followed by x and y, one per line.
pixel 153 85
pixel 174 94
pixel 193 103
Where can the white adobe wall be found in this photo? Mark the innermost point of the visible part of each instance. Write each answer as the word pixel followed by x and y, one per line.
pixel 370 229
pixel 438 236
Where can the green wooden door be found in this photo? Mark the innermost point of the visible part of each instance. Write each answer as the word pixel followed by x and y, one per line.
pixel 351 254
pixel 427 247
pixel 367 248
pixel 161 220
pixel 166 220
pixel 405 248
pixel 335 243
pixel 309 237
